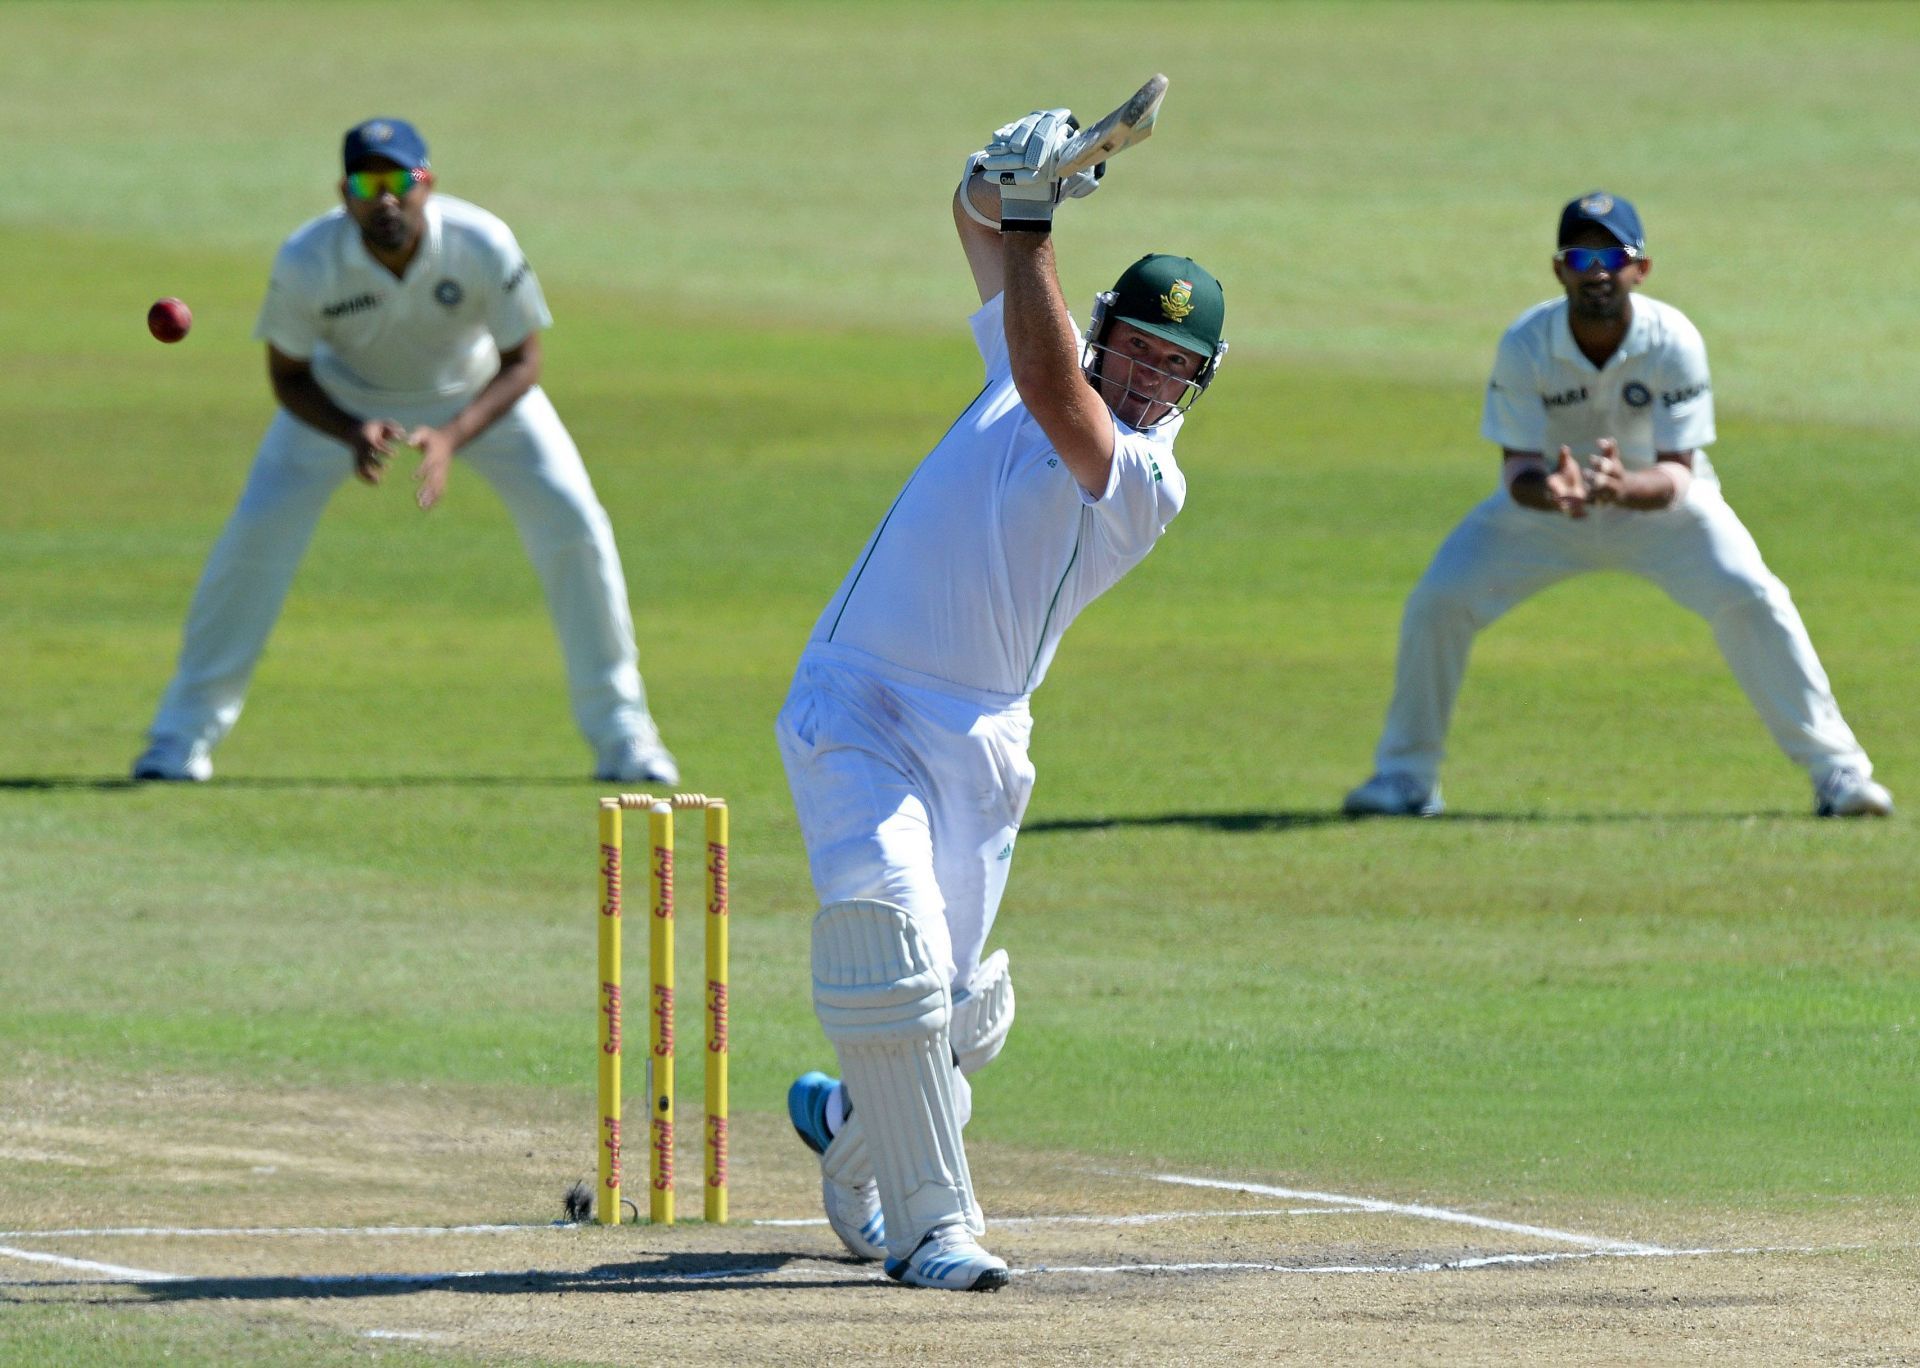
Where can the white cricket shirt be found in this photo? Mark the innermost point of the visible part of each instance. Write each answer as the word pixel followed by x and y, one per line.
pixel 1653 394
pixel 993 548
pixel 376 342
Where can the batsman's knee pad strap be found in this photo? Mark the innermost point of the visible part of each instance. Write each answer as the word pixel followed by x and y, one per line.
pixel 983 1015
pixel 874 977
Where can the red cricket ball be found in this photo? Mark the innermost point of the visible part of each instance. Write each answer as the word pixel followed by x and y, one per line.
pixel 169 319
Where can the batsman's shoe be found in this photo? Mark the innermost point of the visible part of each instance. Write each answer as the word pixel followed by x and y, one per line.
pixel 950 1259
pixel 807 1108
pixel 853 1213
pixel 1846 792
pixel 171 760
pixel 1394 795
pixel 853 1209
pixel 637 760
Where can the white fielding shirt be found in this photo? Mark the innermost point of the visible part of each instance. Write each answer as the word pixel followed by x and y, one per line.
pixel 376 342
pixel 992 548
pixel 1653 394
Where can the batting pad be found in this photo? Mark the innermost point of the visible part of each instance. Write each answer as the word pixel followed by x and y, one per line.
pixel 885 1006
pixel 848 1160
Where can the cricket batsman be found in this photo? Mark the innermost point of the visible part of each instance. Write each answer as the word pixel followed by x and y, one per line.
pixel 905 733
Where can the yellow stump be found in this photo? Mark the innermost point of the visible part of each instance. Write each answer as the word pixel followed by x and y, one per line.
pixel 660 1012
pixel 660 1005
pixel 716 1066
pixel 607 1204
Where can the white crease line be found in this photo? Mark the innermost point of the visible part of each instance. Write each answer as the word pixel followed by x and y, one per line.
pixel 1151 1217
pixel 404 1335
pixel 1137 1218
pixel 187 1232
pixel 280 1232
pixel 1430 1266
pixel 1428 1213
pixel 113 1271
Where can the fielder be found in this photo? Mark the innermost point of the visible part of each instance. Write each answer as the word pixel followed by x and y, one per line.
pixel 1621 382
pixel 406 319
pixel 905 733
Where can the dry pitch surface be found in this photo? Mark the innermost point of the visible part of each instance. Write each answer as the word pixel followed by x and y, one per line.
pixel 416 1215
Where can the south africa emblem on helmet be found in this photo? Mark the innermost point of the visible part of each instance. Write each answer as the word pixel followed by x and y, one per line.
pixel 1177 302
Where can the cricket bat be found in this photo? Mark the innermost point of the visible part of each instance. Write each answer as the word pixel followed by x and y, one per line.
pixel 1131 123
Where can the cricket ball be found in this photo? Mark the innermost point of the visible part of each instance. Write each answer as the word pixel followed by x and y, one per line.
pixel 169 319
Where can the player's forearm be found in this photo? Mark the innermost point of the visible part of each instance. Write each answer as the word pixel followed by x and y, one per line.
pixel 1529 490
pixel 508 387
pixel 1658 486
pixel 1043 353
pixel 976 216
pixel 300 394
pixel 1042 350
pixel 984 198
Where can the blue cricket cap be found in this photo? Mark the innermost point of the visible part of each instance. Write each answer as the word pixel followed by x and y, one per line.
pixel 1610 212
pixel 395 139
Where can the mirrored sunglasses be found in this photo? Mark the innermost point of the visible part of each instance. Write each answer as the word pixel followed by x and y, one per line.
pixel 370 185
pixel 1580 260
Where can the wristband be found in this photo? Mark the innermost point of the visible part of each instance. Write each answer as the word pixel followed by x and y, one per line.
pixel 966 198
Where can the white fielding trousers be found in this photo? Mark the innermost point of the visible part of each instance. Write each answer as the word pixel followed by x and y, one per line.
pixel 532 464
pixel 1699 553
pixel 908 795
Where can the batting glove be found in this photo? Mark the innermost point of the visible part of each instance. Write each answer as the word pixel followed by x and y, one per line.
pixel 1020 158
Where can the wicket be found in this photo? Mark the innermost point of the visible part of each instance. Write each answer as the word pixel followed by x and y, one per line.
pixel 660 1004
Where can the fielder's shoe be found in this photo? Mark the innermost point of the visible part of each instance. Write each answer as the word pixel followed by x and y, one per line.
pixel 853 1209
pixel 1394 795
pixel 950 1259
pixel 1846 792
pixel 637 760
pixel 172 760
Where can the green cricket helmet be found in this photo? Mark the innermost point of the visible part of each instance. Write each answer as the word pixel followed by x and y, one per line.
pixel 1172 298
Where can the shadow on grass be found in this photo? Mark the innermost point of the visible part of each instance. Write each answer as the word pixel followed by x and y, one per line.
pixel 669 1273
pixel 1295 820
pixel 54 782
pixel 1300 820
pixel 1218 821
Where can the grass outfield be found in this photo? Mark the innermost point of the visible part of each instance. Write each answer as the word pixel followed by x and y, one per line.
pixel 1628 974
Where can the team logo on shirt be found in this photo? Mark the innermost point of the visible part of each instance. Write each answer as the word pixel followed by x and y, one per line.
pixel 1636 394
pixel 1177 302
pixel 1565 397
pixel 449 293
pixel 519 274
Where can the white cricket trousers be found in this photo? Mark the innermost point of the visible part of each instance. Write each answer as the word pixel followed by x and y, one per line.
pixel 531 462
pixel 908 794
pixel 1699 553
